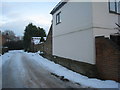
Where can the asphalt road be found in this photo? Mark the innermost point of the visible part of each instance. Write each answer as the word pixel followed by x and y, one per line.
pixel 22 72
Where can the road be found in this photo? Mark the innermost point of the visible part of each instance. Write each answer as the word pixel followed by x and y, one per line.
pixel 21 71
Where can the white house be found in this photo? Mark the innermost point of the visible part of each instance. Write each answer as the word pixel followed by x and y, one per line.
pixel 75 25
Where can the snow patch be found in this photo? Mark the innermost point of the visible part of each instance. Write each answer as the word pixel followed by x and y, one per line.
pixel 70 75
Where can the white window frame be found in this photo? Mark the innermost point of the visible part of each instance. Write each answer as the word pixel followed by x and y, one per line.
pixel 116 6
pixel 58 18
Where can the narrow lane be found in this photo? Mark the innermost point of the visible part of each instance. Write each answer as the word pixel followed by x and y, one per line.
pixel 22 72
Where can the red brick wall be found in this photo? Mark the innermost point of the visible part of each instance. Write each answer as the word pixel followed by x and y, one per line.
pixel 107 59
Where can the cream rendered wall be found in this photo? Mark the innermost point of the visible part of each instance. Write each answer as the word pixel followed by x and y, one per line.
pixel 73 37
pixel 103 21
pixel 74 16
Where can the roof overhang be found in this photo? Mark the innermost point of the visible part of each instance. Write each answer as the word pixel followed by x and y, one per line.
pixel 58 6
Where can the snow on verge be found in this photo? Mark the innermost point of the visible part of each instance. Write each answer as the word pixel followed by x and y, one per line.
pixel 73 76
pixel 9 54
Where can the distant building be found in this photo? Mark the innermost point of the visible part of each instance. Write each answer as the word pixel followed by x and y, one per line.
pixel 37 44
pixel 5 39
pixel 36 40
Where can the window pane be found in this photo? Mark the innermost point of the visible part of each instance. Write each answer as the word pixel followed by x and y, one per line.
pixel 57 19
pixel 112 5
pixel 60 17
pixel 118 6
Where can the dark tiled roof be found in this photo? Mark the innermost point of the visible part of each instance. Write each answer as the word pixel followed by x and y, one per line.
pixel 58 6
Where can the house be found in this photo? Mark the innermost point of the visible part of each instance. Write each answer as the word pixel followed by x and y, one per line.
pixel 76 24
pixel 3 40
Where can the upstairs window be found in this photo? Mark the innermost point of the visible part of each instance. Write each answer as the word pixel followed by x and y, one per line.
pixel 114 6
pixel 58 18
pixel 118 7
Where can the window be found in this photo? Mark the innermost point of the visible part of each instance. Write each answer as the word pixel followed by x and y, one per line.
pixel 58 18
pixel 114 6
pixel 118 7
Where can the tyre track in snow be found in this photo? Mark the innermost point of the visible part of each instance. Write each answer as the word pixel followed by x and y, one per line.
pixel 12 72
pixel 36 75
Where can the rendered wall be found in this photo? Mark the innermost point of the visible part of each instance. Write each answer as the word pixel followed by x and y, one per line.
pixel 73 37
pixel 103 20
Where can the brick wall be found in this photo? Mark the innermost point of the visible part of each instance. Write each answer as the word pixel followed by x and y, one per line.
pixel 86 69
pixel 107 59
pixel 38 47
pixel 45 47
pixel 115 38
pixel 48 43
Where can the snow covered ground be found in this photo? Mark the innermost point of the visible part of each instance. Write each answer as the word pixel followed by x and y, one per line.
pixel 62 71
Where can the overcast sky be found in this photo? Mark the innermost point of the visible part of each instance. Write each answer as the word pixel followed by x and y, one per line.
pixel 16 15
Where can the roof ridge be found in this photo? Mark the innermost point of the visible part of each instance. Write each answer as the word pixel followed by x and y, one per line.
pixel 58 6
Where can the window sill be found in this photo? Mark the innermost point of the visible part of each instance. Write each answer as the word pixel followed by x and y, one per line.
pixel 58 23
pixel 112 12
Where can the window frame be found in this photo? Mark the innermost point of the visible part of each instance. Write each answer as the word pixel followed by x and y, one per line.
pixel 58 18
pixel 110 7
pixel 116 8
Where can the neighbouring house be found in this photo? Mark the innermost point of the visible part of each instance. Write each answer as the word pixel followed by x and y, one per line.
pixel 3 40
pixel 74 28
pixel 6 37
pixel 0 39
